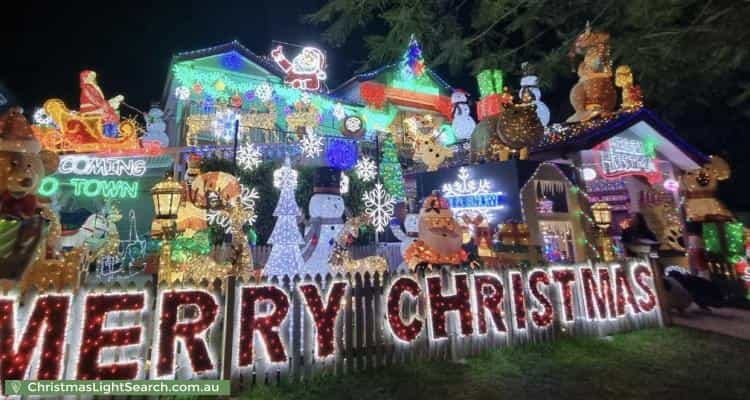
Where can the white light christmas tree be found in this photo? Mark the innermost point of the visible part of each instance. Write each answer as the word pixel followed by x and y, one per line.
pixel 379 206
pixel 366 169
pixel 249 157
pixel 311 144
pixel 285 257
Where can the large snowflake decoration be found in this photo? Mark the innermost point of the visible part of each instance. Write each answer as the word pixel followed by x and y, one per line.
pixel 464 185
pixel 379 206
pixel 264 92
pixel 311 144
pixel 247 202
pixel 285 176
pixel 305 98
pixel 338 111
pixel 182 93
pixel 223 125
pixel 249 157
pixel 366 169
pixel 42 118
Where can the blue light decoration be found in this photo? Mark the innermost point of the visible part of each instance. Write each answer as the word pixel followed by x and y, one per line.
pixel 412 64
pixel 341 154
pixel 231 61
pixel 472 197
pixel 482 200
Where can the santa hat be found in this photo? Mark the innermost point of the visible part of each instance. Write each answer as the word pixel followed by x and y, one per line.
pixel 435 202
pixel 15 133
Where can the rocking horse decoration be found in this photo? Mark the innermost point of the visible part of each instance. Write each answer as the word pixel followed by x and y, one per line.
pixel 97 126
pixel 340 260
pixel 594 94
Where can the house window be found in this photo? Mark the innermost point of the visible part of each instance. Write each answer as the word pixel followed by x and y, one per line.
pixel 557 241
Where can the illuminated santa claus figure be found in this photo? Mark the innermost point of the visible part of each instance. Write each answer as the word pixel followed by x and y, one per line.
pixel 305 71
pixel 440 236
pixel 93 103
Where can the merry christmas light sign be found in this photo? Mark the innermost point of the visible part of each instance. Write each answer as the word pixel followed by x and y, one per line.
pixel 107 334
pixel 618 157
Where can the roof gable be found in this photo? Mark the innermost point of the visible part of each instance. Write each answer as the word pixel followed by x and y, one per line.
pixel 642 124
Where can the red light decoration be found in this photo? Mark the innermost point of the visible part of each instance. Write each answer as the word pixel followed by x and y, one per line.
pixel 565 277
pixel 601 291
pixel 406 331
pixel 267 326
pixel 49 311
pixel 519 299
pixel 639 273
pixel 540 319
pixel 441 304
pixel 492 301
pixel 190 332
pixel 324 317
pixel 373 94
pixel 94 337
pixel 624 292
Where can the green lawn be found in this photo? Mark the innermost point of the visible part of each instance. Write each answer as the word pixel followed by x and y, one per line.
pixel 672 363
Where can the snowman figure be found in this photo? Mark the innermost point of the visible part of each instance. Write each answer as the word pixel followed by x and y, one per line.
pixel 530 83
pixel 463 123
pixel 156 128
pixel 326 221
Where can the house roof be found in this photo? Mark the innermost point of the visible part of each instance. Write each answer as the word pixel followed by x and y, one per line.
pixel 374 74
pixel 235 46
pixel 642 123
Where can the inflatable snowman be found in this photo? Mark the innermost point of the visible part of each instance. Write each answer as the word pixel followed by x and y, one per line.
pixel 530 83
pixel 463 124
pixel 156 128
pixel 326 221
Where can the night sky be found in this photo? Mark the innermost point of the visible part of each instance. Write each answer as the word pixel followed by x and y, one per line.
pixel 129 44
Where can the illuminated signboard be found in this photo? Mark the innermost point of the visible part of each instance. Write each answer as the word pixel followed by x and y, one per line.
pixel 619 157
pixel 101 166
pixel 470 197
pixel 91 187
pixel 138 333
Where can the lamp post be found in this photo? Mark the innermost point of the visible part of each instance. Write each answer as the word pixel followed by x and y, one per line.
pixel 603 219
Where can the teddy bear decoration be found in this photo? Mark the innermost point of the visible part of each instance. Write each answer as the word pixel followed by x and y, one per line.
pixel 700 186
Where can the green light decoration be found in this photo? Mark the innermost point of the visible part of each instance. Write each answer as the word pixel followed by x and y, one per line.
pixel 649 146
pixel 419 85
pixel 196 245
pixel 490 81
pixel 49 186
pixel 379 120
pixel 390 170
pixel 187 74
pixel 447 135
pixel 711 238
pixel 735 232
pixel 90 187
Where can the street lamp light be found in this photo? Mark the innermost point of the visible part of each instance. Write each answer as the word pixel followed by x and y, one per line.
pixel 167 196
pixel 603 220
pixel 602 215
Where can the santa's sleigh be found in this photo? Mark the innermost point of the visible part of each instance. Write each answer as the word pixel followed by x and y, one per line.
pixel 85 133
